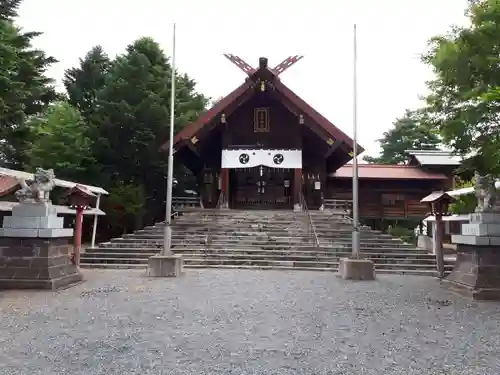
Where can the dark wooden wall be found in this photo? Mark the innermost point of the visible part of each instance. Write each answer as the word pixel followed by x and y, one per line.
pixel 390 199
pixel 284 131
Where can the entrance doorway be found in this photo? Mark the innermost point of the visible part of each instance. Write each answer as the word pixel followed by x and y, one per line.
pixel 261 187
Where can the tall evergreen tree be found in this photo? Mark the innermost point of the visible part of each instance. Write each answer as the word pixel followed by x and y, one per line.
pixel 24 88
pixel 133 112
pixel 85 81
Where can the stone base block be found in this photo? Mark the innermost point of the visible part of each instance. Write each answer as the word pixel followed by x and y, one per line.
pixel 476 273
pixel 480 229
pixel 34 210
pixel 165 266
pixel 33 233
pixel 485 217
pixel 356 269
pixel 37 263
pixel 53 284
pixel 475 240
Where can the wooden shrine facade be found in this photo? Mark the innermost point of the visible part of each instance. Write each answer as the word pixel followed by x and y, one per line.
pixel 262 146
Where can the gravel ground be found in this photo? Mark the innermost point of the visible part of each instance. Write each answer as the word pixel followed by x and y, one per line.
pixel 247 322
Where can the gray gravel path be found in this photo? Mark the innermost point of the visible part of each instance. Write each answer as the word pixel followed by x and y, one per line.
pixel 247 322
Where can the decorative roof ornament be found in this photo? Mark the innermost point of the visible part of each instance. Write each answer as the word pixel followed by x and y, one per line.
pixel 277 70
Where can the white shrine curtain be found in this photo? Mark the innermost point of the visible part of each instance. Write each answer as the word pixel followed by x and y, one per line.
pixel 244 158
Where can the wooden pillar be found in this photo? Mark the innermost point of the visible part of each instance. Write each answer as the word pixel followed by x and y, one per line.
pixel 437 244
pixel 224 188
pixel 297 189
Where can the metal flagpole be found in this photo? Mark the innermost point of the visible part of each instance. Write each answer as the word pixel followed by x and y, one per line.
pixel 355 181
pixel 167 236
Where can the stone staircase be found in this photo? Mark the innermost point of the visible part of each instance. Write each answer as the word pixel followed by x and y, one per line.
pixel 261 240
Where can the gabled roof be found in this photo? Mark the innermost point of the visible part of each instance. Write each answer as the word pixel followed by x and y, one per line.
pixel 384 171
pixel 192 129
pixel 434 157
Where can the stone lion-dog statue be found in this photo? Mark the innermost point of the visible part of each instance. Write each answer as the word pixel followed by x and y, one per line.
pixel 39 190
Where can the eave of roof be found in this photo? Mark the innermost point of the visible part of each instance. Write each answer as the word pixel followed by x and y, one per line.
pixel 434 157
pixel 7 184
pixel 322 121
pixel 61 183
pixel 191 129
pixel 6 206
pixel 387 172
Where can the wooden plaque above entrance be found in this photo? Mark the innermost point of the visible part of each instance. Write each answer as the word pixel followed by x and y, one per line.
pixel 261 120
pixel 248 158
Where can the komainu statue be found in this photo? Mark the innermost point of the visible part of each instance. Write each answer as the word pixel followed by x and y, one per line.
pixel 39 190
pixel 484 188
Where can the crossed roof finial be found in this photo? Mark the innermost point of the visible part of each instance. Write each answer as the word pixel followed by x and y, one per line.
pixel 249 70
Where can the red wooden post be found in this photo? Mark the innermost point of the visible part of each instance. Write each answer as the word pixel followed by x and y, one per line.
pixel 79 197
pixel 77 237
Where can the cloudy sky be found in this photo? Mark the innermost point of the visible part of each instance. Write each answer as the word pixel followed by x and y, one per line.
pixel 391 35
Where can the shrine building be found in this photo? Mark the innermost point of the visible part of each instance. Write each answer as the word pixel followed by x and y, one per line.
pixel 263 147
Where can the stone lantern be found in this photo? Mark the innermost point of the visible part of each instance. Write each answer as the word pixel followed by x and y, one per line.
pixel 438 202
pixel 79 199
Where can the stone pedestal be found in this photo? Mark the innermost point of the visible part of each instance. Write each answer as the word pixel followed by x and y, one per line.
pixel 356 269
pixel 477 269
pixel 35 249
pixel 165 266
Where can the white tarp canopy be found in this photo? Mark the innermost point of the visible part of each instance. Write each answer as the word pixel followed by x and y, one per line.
pixel 61 183
pixel 467 190
pixel 448 218
pixel 247 158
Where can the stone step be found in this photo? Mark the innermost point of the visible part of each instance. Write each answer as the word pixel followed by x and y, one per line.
pixel 229 232
pixel 111 266
pixel 310 263
pixel 380 269
pixel 305 249
pixel 94 256
pixel 251 235
pixel 397 253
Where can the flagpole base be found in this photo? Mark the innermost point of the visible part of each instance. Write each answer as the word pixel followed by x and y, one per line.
pixel 165 266
pixel 356 269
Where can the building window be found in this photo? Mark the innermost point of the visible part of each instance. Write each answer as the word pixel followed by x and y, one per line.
pixel 261 120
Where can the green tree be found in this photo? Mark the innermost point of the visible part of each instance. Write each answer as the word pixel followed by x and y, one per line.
pixel 61 142
pixel 410 132
pixel 84 82
pixel 464 96
pixel 132 113
pixel 24 88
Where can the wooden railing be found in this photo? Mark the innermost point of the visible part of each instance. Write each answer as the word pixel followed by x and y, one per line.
pixel 341 205
pixel 181 203
pixel 310 226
